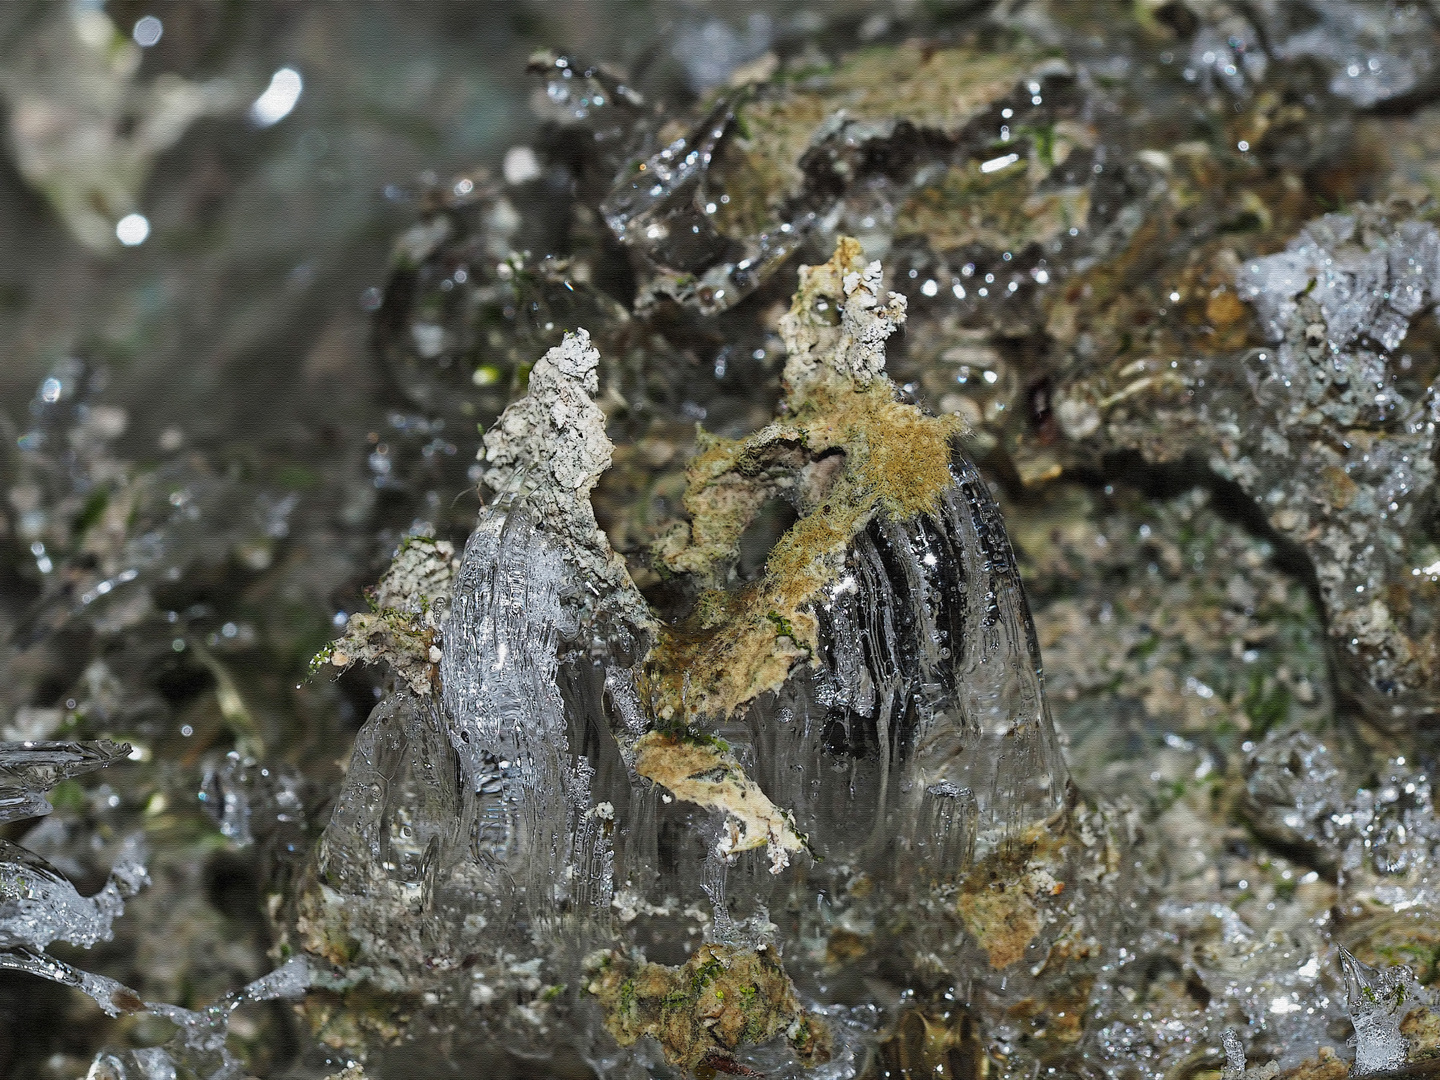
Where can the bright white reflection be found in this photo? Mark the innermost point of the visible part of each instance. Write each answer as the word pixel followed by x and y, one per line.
pixel 278 99
pixel 996 164
pixel 147 31
pixel 132 229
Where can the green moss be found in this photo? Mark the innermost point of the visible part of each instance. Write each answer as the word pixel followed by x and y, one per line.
pixel 1266 703
pixel 706 974
pixel 320 660
pixel 783 628
pixel 92 511
pixel 67 795
pixel 703 1011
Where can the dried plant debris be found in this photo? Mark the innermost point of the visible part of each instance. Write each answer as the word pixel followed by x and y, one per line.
pixel 846 452
pixel 854 462
pixel 707 775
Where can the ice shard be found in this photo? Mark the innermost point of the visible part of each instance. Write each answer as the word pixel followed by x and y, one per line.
pixel 1379 1001
pixel 29 769
pixel 533 569
pixel 39 906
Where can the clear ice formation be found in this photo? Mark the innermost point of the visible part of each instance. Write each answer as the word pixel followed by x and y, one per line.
pixel 928 636
pixel 37 904
pixel 1378 1001
pixel 198 1046
pixel 29 769
pixel 1369 292
pixel 548 777
pixel 1375 52
pixel 1372 53
pixel 926 643
pixel 38 907
pixel 533 566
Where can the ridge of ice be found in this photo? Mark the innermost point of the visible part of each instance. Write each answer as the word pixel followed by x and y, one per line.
pixel 29 769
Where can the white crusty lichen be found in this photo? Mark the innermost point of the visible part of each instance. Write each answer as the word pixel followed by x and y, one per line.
pixel 549 449
pixel 402 629
pixel 853 349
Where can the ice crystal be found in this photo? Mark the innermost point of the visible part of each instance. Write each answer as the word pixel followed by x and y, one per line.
pixel 1379 1001
pixel 1375 52
pixel 39 907
pixel 1342 451
pixel 198 1046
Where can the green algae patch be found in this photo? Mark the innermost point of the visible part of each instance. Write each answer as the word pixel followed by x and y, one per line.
pixel 846 451
pixel 702 1012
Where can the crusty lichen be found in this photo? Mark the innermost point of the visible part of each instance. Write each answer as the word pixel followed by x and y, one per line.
pixel 700 1013
pixel 845 451
pixel 1010 895
pixel 402 628
pixel 550 448
pixel 702 773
